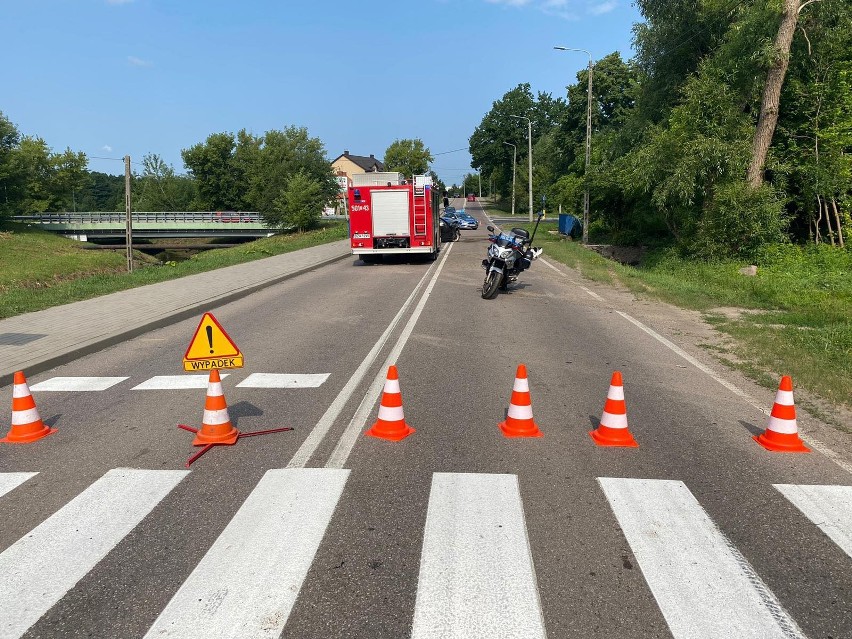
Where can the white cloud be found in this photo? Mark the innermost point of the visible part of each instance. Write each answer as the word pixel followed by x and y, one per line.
pixel 138 62
pixel 119 1
pixel 558 8
pixel 106 147
pixel 603 7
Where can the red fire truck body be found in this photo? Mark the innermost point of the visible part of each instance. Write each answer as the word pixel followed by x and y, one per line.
pixel 389 215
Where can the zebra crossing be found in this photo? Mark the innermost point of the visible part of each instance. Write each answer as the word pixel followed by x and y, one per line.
pixel 476 575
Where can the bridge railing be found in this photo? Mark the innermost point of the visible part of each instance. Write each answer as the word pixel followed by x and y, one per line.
pixel 94 217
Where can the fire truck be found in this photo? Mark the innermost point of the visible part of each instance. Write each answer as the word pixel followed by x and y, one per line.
pixel 389 214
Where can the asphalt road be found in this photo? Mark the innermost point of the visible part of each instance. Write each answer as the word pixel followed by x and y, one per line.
pixel 456 531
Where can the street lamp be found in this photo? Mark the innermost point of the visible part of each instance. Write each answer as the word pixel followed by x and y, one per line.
pixel 529 138
pixel 514 163
pixel 588 143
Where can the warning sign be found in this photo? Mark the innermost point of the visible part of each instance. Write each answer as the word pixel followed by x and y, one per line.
pixel 211 347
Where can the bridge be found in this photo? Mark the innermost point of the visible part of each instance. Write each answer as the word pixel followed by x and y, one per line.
pixel 164 224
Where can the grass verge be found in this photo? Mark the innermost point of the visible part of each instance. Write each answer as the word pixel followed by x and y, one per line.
pixel 39 270
pixel 794 317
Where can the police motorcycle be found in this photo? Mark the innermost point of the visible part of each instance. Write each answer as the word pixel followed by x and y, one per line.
pixel 508 255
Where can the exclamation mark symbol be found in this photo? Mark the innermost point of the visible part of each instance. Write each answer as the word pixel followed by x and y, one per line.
pixel 210 338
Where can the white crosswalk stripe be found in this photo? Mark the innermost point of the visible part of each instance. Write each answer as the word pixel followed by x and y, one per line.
pixel 247 583
pixel 175 382
pixel 704 587
pixel 77 384
pixel 476 573
pixel 276 380
pixel 37 570
pixel 829 507
pixel 10 481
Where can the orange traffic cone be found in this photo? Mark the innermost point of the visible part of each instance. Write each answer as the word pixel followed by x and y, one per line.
pixel 26 424
pixel 613 430
pixel 391 422
pixel 216 426
pixel 519 420
pixel 781 435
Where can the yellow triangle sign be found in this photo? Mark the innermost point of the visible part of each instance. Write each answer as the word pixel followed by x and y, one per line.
pixel 211 347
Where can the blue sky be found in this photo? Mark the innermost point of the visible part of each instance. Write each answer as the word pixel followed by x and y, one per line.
pixel 117 77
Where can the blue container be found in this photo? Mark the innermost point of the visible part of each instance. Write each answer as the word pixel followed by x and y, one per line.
pixel 569 225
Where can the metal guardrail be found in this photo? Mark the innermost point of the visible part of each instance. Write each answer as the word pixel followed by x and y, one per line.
pixel 94 217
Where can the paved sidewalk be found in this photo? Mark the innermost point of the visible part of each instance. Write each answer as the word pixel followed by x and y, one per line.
pixel 35 342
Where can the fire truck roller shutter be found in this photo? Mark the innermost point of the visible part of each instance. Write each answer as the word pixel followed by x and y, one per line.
pixel 390 213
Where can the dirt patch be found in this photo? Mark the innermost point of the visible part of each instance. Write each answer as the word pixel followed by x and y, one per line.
pixel 628 255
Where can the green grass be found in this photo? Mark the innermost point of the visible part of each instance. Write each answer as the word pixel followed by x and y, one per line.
pixel 39 270
pixel 793 318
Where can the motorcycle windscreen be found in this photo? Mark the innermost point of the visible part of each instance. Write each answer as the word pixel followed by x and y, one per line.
pixel 390 213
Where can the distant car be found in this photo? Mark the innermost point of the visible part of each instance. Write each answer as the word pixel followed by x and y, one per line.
pixel 471 197
pixel 461 218
pixel 468 219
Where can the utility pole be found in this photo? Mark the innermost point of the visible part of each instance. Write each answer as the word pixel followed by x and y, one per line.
pixel 128 236
pixel 588 143
pixel 479 175
pixel 529 141
pixel 514 164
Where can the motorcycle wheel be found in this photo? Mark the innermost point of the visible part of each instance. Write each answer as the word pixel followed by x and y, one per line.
pixel 457 236
pixel 489 286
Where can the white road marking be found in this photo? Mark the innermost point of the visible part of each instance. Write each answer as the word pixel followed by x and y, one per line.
pixel 38 569
pixel 477 578
pixel 350 435
pixel 704 586
pixel 176 382
pixel 10 481
pixel 809 440
pixel 309 446
pixel 590 292
pixel 282 380
pixel 829 507
pixel 77 383
pixel 247 583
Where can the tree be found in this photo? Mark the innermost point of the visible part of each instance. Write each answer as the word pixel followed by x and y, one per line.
pixel 69 177
pixel 9 176
pixel 772 91
pixel 270 161
pixel 299 205
pixel 220 182
pixel 158 188
pixel 409 157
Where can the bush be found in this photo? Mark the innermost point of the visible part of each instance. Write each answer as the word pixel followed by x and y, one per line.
pixel 737 222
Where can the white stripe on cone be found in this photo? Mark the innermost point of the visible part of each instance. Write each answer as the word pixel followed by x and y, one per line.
pixel 392 387
pixel 784 397
pixel 216 417
pixel 20 390
pixel 613 421
pixel 520 412
pixel 214 389
pixel 391 413
pixel 783 426
pixel 23 417
pixel 616 392
pixel 522 385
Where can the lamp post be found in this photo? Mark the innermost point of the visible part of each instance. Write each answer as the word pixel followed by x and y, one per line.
pixel 529 139
pixel 588 143
pixel 514 163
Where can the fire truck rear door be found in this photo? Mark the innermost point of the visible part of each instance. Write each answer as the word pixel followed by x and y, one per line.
pixel 390 213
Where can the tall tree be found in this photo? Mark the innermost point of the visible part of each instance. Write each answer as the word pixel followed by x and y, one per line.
pixel 772 91
pixel 408 156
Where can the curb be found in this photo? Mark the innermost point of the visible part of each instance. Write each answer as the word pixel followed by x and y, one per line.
pixel 186 312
